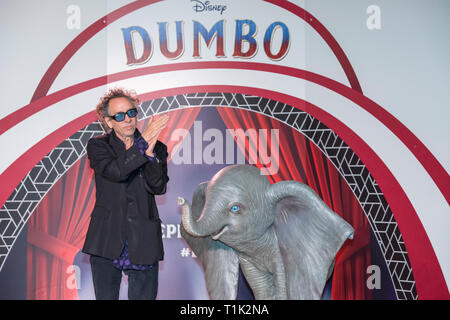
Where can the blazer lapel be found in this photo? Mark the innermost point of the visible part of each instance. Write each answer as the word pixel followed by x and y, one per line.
pixel 117 144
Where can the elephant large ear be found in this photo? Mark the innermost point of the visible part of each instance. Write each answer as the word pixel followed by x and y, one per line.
pixel 309 234
pixel 220 262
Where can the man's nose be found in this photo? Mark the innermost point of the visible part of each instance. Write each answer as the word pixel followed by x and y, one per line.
pixel 127 118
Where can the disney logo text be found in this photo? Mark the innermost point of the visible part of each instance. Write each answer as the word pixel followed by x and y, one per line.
pixel 200 6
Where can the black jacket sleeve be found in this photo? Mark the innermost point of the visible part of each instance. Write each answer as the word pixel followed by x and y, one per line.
pixel 113 167
pixel 156 173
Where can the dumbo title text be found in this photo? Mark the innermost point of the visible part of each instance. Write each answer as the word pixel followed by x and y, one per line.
pixel 245 40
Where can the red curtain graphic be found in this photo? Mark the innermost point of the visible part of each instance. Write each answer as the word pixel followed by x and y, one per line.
pixel 301 160
pixel 56 231
pixel 57 228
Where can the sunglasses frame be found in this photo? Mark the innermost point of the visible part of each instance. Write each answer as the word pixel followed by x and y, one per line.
pixel 124 113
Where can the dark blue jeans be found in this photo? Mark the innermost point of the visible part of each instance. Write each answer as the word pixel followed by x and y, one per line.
pixel 142 285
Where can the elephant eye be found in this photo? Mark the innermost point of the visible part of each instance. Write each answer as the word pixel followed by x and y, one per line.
pixel 235 209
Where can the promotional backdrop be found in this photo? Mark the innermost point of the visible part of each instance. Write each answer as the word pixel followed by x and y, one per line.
pixel 349 97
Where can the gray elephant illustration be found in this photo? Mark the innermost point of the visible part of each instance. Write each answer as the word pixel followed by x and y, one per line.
pixel 284 237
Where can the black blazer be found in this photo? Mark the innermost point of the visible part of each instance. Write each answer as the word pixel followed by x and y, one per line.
pixel 126 182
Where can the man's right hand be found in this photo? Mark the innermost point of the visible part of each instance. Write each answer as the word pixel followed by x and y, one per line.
pixel 152 131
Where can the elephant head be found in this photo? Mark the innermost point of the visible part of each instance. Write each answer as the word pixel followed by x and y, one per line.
pixel 232 198
pixel 283 235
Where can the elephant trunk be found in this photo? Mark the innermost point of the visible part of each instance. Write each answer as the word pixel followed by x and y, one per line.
pixel 188 221
pixel 206 225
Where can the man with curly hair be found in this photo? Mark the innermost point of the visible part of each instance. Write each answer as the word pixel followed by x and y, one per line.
pixel 130 167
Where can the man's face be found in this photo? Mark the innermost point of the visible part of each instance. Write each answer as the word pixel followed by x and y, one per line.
pixel 125 128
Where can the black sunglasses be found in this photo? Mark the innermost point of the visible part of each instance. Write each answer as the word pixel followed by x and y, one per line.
pixel 120 116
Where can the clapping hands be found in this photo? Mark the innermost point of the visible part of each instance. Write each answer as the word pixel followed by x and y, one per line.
pixel 152 131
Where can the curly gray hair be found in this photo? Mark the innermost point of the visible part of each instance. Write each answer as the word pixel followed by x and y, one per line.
pixel 103 106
